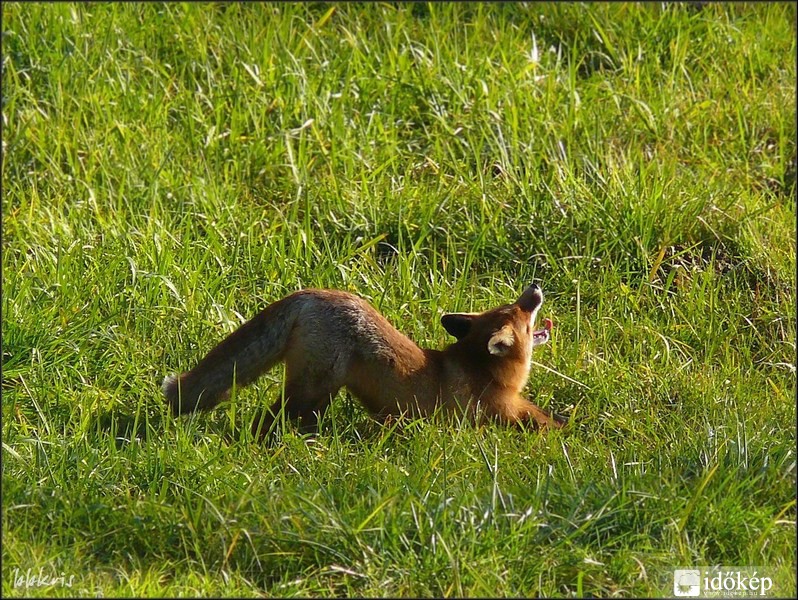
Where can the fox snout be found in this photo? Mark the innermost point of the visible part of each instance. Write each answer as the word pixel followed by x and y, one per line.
pixel 531 299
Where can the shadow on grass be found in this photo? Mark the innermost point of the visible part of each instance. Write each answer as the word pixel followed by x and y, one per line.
pixel 125 428
pixel 347 422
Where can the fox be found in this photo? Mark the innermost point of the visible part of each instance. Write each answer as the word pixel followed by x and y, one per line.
pixel 329 339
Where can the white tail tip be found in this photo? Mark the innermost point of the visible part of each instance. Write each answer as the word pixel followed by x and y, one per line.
pixel 168 384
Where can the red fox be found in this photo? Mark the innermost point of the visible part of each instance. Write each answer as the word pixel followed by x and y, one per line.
pixel 330 339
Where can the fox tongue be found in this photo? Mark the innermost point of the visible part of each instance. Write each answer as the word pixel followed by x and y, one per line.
pixel 541 336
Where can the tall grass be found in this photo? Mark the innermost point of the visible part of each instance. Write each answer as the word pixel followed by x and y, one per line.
pixel 169 169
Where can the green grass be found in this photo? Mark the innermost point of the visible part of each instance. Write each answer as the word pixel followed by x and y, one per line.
pixel 168 170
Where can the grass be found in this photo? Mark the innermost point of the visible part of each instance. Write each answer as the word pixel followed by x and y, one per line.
pixel 169 169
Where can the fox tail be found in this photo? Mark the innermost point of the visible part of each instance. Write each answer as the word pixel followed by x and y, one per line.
pixel 240 358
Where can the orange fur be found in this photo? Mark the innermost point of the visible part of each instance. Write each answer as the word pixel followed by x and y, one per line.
pixel 330 339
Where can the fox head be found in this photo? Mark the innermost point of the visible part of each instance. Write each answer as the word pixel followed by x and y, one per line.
pixel 505 332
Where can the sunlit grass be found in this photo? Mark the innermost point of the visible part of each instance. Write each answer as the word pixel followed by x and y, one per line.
pixel 169 169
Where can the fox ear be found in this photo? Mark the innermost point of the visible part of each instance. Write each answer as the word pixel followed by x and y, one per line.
pixel 457 324
pixel 500 342
pixel 531 299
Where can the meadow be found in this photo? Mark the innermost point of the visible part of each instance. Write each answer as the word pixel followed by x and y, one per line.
pixel 170 169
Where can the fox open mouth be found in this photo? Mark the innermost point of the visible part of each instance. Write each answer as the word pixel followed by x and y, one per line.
pixel 541 336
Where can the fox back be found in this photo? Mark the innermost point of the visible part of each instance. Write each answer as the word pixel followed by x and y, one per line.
pixel 330 339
